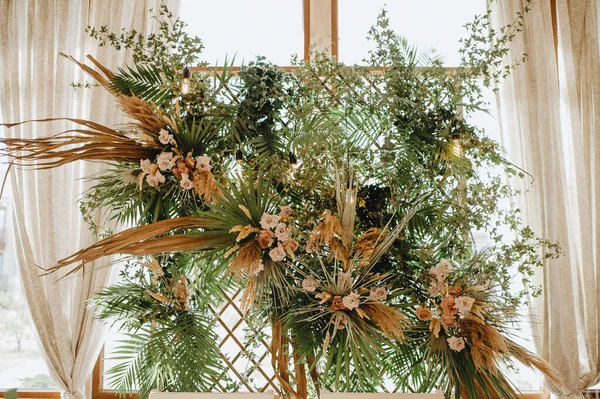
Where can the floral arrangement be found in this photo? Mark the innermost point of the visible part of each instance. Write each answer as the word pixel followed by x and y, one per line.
pixel 272 239
pixel 327 192
pixel 468 325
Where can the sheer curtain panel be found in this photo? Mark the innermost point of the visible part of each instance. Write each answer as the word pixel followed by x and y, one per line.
pixel 548 119
pixel 34 84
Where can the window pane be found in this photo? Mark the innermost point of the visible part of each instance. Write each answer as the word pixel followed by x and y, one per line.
pixel 21 364
pixel 270 28
pixel 425 23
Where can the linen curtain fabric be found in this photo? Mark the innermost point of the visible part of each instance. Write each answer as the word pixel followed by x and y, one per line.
pixel 48 225
pixel 548 110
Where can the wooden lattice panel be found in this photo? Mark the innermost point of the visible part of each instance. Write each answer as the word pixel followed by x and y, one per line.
pixel 245 348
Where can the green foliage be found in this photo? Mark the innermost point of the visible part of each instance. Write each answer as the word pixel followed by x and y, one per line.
pixel 176 355
pixel 144 82
pixel 37 382
pixel 169 49
pixel 400 136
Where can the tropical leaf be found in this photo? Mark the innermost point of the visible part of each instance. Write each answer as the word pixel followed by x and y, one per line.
pixel 143 81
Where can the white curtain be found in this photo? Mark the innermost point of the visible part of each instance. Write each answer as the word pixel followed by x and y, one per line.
pixel 549 115
pixel 48 226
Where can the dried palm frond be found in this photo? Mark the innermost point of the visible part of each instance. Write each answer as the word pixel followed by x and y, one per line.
pixel 140 241
pixel 152 264
pixel 366 243
pixel 104 81
pixel 181 292
pixel 326 230
pixel 99 143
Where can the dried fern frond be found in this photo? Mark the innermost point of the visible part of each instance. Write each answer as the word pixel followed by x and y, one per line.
pixel 98 143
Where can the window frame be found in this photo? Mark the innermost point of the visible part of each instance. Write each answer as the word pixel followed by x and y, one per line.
pixel 98 391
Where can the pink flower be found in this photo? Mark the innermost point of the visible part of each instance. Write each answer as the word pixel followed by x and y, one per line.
pixel 456 343
pixel 310 284
pixel 265 239
pixel 277 254
pixel 186 183
pixel 155 179
pixel 378 294
pixel 434 290
pixel 464 304
pixel 345 279
pixel 268 221
pixel 203 163
pixel 285 212
pixel 164 137
pixel 442 270
pixel 282 232
pixel 448 306
pixel 311 247
pixel 351 300
pixel 164 160
pixel 145 165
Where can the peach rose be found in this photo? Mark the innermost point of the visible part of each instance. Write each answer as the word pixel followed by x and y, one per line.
pixel 310 284
pixel 424 314
pixel 268 221
pixel 290 246
pixel 463 304
pixel 164 137
pixel 448 306
pixel 351 301
pixel 265 239
pixel 203 163
pixel 378 294
pixel 277 254
pixel 337 303
pixel 285 212
pixel 456 343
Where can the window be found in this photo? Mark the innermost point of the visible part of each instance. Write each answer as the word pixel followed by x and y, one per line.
pixel 269 28
pixel 426 24
pixel 21 363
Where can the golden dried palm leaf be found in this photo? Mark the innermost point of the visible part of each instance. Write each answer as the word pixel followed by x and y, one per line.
pixel 141 241
pixel 103 80
pixel 97 143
